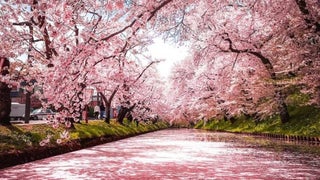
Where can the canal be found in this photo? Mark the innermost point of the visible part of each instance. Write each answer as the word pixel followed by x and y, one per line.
pixel 179 154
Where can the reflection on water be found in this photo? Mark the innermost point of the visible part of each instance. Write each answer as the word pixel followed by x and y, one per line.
pixel 176 154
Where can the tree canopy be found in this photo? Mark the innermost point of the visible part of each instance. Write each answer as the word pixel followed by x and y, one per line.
pixel 244 54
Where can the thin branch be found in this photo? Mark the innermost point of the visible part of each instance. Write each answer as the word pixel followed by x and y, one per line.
pixel 26 23
pixel 235 60
pixel 140 75
pixel 152 14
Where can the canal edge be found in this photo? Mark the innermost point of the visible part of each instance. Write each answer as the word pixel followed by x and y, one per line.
pixel 41 152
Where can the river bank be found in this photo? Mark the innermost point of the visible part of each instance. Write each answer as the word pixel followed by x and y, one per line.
pixel 20 143
pixel 304 125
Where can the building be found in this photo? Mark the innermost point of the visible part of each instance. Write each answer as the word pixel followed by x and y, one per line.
pixel 18 96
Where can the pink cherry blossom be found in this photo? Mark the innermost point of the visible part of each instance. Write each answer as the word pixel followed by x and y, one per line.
pixel 245 55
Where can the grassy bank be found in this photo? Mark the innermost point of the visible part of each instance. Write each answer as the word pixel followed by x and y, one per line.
pixel 17 137
pixel 305 121
pixel 21 143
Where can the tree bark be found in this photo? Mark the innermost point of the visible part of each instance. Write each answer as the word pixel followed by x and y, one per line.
pixel 310 21
pixel 123 112
pixel 5 99
pixel 5 104
pixel 282 107
pixel 108 111
pixel 107 103
pixel 129 117
pixel 28 106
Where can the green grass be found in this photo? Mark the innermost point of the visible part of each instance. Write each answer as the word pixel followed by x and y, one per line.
pixel 304 121
pixel 18 137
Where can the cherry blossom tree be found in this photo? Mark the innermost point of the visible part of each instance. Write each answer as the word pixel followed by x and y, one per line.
pixel 244 53
pixel 257 30
pixel 71 46
pixel 210 90
pixel 66 42
pixel 147 96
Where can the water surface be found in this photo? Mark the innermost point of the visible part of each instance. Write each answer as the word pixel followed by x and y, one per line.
pixel 175 154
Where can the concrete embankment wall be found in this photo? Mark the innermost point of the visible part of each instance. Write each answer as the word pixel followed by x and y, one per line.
pixel 315 140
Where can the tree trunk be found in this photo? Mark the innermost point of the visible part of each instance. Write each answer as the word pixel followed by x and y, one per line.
pixel 5 99
pixel 282 106
pixel 107 103
pixel 27 110
pixel 136 122
pixel 130 117
pixel 122 114
pixel 71 120
pixel 5 104
pixel 108 111
pixel 284 114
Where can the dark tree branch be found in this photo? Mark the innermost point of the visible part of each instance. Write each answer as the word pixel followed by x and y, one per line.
pixel 266 62
pixel 140 75
pixel 152 14
pixel 308 18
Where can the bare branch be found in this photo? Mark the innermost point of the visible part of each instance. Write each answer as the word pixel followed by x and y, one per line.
pixel 140 75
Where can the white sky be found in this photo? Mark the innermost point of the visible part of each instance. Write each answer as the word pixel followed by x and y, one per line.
pixel 170 52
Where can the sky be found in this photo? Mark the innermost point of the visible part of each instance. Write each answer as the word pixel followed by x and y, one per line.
pixel 169 52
